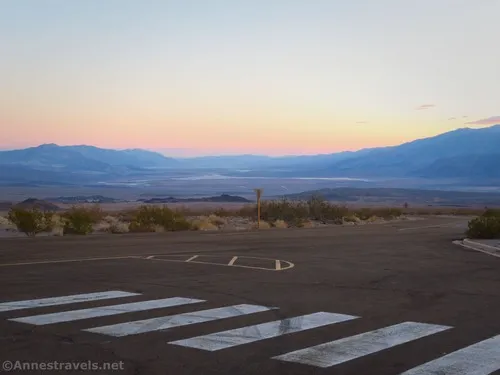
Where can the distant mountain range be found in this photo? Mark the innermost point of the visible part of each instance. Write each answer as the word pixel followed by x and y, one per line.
pixel 83 158
pixel 460 154
pixel 50 163
pixel 463 153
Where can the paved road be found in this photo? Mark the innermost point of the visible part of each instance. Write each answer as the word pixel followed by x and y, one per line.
pixel 381 299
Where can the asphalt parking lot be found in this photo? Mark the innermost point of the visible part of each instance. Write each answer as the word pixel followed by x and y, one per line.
pixel 389 299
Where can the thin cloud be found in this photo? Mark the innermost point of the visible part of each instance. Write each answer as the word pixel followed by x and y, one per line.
pixel 425 106
pixel 452 118
pixel 494 120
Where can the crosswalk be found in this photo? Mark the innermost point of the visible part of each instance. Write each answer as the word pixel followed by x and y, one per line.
pixel 481 358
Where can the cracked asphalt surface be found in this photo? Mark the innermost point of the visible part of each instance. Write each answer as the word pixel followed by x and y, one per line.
pixel 406 271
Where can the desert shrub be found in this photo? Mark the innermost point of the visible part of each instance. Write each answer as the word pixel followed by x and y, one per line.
pixel 79 220
pixel 300 222
pixel 94 212
pixel 119 227
pixel 203 224
pixel 334 213
pixel 222 212
pixel 385 213
pixel 126 215
pixel 5 222
pixel 110 219
pixel 388 213
pixel 113 225
pixel 490 212
pixel 288 211
pixel 31 221
pixel 352 219
pixel 136 227
pixel 322 210
pixel 247 211
pixel 102 226
pixel 316 205
pixel 364 213
pixel 263 225
pixel 487 227
pixel 149 218
pixel 304 224
pixel 57 224
pixel 281 224
pixel 217 220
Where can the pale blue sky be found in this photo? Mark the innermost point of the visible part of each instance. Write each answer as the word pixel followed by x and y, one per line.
pixel 274 76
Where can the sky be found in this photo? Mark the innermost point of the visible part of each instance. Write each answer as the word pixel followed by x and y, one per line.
pixel 276 77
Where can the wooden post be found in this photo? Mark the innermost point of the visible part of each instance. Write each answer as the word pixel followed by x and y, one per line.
pixel 259 194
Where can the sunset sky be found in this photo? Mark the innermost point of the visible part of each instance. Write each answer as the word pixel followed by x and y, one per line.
pixel 245 76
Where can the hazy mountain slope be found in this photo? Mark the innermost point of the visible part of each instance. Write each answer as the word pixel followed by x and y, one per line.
pixel 51 157
pixel 130 157
pixel 283 163
pixel 463 153
pixel 427 157
pixel 83 158
pixel 469 165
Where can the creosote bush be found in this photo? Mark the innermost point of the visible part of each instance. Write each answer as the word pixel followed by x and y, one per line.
pixel 204 224
pixel 384 213
pixel 31 221
pixel 148 218
pixel 490 212
pixel 486 226
pixel 281 224
pixel 297 213
pixel 80 219
pixel 5 222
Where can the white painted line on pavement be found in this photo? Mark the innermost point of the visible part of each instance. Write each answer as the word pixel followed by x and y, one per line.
pixel 349 348
pixel 290 264
pixel 68 316
pixel 278 265
pixel 166 322
pixel 477 246
pixel 192 258
pixel 447 225
pixel 150 257
pixel 48 261
pixel 231 262
pixel 227 339
pixel 63 300
pixel 482 358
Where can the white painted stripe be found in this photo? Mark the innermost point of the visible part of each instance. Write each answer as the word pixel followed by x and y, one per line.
pixel 245 335
pixel 65 261
pixel 231 262
pixel 278 265
pixel 445 225
pixel 192 258
pixel 166 322
pixel 349 348
pixel 482 358
pixel 68 316
pixel 63 300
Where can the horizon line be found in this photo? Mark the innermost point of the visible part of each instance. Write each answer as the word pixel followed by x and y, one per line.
pixel 158 150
